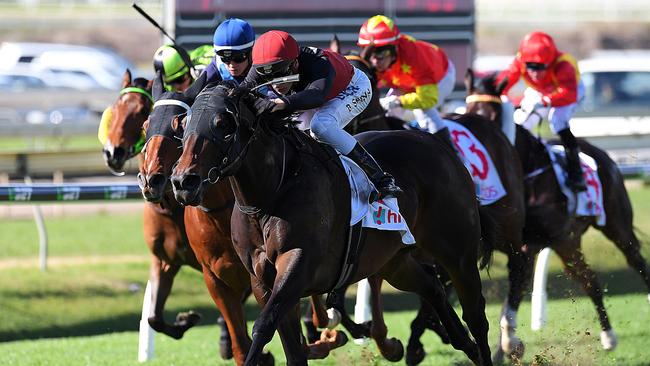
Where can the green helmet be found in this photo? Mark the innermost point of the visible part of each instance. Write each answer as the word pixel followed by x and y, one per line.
pixel 168 60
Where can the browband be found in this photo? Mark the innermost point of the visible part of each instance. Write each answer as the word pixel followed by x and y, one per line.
pixel 477 98
pixel 133 89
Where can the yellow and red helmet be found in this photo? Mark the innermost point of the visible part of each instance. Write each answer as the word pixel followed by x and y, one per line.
pixel 378 31
pixel 538 48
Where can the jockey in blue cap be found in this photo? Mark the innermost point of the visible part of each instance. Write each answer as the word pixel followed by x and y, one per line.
pixel 233 43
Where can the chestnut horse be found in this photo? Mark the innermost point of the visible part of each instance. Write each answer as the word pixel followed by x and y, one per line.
pixel 164 229
pixel 548 221
pixel 292 219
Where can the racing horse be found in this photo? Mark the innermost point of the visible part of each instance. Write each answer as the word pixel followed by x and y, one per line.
pixel 508 211
pixel 549 222
pixel 289 226
pixel 164 229
pixel 208 224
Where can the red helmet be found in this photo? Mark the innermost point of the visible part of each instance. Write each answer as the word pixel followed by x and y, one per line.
pixel 539 48
pixel 274 52
pixel 378 31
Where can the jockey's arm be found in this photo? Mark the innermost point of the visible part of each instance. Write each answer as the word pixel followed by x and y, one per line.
pixel 567 90
pixel 424 97
pixel 319 76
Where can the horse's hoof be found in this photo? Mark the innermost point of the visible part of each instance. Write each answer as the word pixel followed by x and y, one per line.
pixel 517 353
pixel 266 359
pixel 608 339
pixel 225 350
pixel 394 350
pixel 498 356
pixel 187 320
pixel 415 354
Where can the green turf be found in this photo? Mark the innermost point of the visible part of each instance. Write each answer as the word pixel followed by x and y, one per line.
pixel 88 314
pixel 48 143
pixel 94 234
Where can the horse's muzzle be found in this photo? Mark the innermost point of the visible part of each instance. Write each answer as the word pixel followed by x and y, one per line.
pixel 187 189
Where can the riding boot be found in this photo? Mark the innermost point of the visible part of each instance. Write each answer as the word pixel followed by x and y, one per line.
pixel 384 182
pixel 575 178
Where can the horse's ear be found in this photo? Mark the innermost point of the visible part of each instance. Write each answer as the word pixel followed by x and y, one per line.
pixel 335 44
pixel 145 125
pixel 501 85
pixel 157 88
pixel 126 78
pixel 178 124
pixel 469 81
pixel 149 84
pixel 196 87
pixel 366 52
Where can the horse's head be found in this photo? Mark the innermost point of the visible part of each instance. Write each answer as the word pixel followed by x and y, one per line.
pixel 124 120
pixel 483 97
pixel 163 131
pixel 215 140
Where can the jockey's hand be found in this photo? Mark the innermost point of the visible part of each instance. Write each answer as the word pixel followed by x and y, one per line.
pixel 532 106
pixel 264 105
pixel 390 102
pixel 279 104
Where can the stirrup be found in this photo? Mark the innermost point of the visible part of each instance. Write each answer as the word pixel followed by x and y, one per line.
pixel 385 188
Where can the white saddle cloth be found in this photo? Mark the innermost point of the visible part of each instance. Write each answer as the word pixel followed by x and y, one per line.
pixel 382 214
pixel 478 162
pixel 590 202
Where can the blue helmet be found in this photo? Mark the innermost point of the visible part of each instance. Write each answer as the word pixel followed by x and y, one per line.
pixel 234 34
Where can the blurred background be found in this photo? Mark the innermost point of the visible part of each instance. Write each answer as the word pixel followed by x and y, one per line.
pixel 61 65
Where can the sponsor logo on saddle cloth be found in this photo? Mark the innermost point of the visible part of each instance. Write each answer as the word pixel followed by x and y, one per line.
pixel 382 214
pixel 589 202
pixel 478 162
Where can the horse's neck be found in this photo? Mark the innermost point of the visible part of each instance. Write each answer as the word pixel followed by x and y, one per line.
pixel 532 151
pixel 263 170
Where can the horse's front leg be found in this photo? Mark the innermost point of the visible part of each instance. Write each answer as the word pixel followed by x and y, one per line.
pixel 287 288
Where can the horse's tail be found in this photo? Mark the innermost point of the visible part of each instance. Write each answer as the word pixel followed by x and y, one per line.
pixel 489 236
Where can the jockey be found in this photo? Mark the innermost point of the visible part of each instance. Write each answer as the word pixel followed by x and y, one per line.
pixel 179 69
pixel 421 71
pixel 233 44
pixel 330 91
pixel 554 90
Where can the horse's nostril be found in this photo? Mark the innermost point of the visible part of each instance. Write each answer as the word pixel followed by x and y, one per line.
pixel 119 153
pixel 157 180
pixel 190 182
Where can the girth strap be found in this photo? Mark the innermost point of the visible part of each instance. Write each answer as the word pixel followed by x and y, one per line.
pixel 356 236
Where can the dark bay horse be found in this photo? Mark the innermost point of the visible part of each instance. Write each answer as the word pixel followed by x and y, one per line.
pixel 163 221
pixel 290 225
pixel 509 213
pixel 548 221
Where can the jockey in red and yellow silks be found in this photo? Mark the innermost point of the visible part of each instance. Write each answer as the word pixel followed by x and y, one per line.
pixel 420 71
pixel 554 91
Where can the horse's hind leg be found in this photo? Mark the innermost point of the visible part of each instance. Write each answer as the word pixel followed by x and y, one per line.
pixel 622 235
pixel 427 317
pixel 577 268
pixel 407 274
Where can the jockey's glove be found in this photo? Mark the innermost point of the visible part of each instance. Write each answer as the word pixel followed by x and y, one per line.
pixel 390 102
pixel 263 106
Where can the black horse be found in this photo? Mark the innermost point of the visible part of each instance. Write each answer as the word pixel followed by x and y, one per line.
pixel 290 225
pixel 548 220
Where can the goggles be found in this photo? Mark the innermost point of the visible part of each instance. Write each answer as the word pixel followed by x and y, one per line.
pixel 535 66
pixel 228 56
pixel 275 70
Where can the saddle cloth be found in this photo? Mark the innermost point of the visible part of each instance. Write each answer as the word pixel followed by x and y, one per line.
pixel 382 214
pixel 589 202
pixel 478 162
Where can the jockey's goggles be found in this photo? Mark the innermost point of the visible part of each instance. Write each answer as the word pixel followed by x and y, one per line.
pixel 535 66
pixel 228 56
pixel 179 80
pixel 274 70
pixel 381 53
